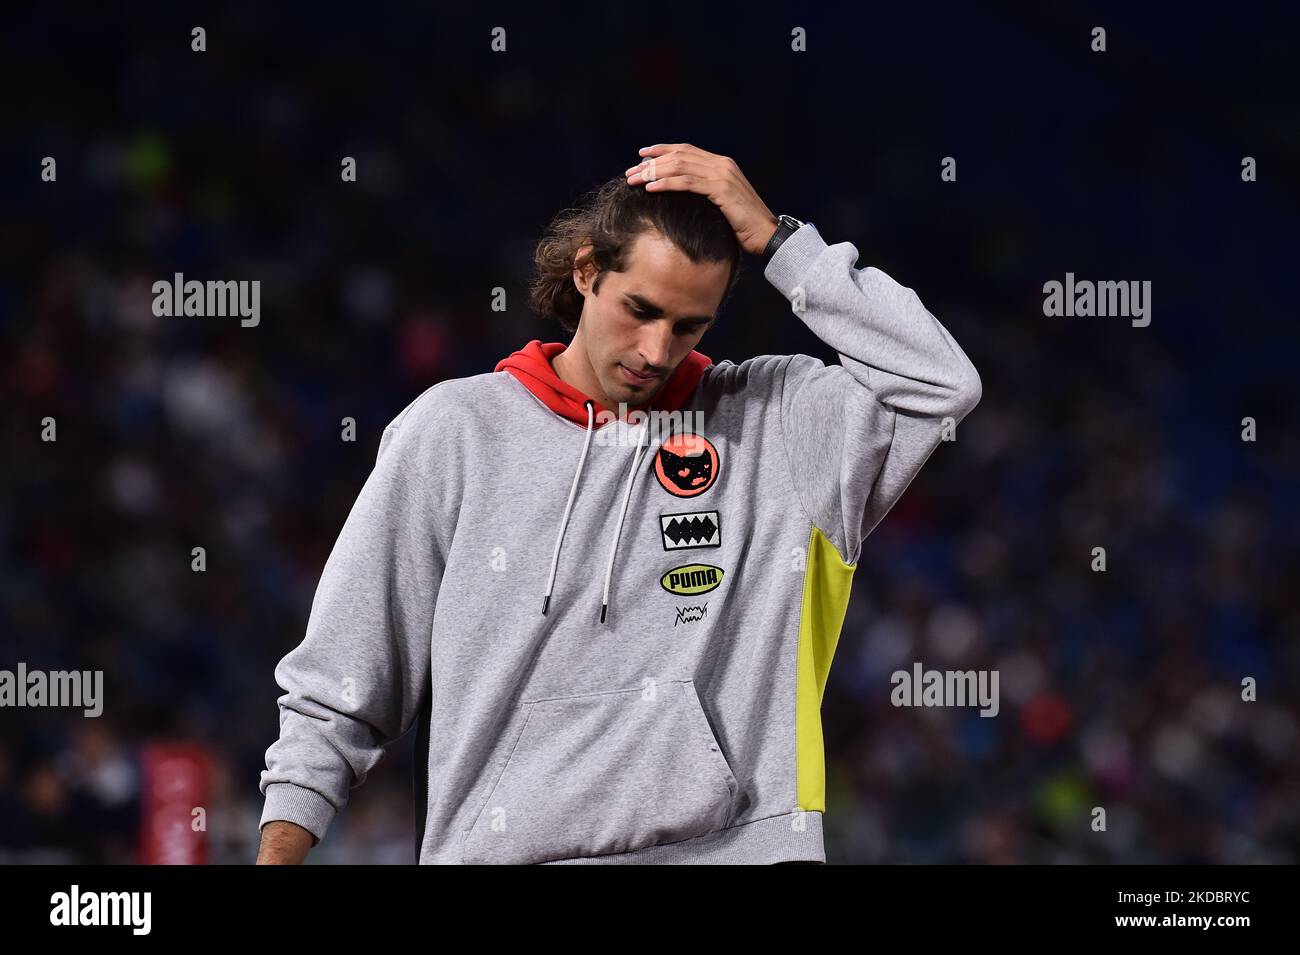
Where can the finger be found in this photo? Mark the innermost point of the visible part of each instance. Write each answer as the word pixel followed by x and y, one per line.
pixel 646 170
pixel 678 184
pixel 660 153
pixel 660 149
pixel 661 167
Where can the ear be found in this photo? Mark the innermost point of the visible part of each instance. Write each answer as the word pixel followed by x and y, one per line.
pixel 586 275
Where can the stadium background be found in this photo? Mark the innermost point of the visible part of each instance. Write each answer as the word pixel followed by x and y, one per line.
pixel 1119 689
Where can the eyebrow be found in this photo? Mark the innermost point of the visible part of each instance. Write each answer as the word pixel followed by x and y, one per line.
pixel 648 306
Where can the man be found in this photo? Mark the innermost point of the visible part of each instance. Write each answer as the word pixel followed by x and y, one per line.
pixel 615 650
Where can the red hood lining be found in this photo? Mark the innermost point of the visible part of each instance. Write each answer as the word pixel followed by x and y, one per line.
pixel 531 365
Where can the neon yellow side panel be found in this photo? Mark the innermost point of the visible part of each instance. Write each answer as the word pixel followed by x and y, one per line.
pixel 826 584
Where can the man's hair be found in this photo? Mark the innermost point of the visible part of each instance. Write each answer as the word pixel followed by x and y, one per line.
pixel 609 218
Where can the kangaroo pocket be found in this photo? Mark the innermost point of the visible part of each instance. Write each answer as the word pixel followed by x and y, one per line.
pixel 602 773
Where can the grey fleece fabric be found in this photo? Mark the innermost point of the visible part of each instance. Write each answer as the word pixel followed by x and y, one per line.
pixel 667 733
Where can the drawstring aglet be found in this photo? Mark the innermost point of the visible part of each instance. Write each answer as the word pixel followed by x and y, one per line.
pixel 546 602
pixel 602 613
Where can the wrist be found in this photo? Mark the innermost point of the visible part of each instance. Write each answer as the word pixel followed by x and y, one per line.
pixel 284 843
pixel 786 226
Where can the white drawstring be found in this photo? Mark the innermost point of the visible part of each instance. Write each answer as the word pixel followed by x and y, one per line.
pixel 568 509
pixel 627 495
pixel 564 521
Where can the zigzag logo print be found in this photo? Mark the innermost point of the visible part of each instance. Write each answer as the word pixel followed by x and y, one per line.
pixel 691 614
pixel 690 530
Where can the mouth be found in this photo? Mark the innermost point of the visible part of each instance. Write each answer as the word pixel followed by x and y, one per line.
pixel 633 378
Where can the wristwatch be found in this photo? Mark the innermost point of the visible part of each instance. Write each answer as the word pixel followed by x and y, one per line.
pixel 785 227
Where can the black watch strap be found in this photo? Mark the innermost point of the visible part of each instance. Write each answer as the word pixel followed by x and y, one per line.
pixel 785 227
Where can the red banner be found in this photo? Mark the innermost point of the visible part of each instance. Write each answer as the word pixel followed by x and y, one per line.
pixel 177 783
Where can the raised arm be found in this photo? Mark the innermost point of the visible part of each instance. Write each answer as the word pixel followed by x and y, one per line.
pixel 857 433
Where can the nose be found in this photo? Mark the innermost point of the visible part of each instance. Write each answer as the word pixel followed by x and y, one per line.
pixel 656 343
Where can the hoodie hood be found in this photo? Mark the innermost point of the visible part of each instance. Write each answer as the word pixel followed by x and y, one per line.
pixel 532 366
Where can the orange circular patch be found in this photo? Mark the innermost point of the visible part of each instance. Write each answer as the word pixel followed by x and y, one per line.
pixel 687 465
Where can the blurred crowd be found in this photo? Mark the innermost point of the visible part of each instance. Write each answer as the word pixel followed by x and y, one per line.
pixel 1120 689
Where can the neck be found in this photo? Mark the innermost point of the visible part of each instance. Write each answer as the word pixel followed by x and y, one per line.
pixel 574 368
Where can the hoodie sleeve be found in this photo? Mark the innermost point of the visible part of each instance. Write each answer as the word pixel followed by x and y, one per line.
pixel 358 679
pixel 858 432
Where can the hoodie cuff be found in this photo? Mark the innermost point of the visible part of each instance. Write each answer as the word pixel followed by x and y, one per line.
pixel 305 807
pixel 795 256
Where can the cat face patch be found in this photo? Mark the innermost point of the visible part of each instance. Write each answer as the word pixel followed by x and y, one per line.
pixel 687 465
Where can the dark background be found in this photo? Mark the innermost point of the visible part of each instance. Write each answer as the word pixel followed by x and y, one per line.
pixel 1119 689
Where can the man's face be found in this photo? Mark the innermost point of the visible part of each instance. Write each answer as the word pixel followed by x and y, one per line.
pixel 644 320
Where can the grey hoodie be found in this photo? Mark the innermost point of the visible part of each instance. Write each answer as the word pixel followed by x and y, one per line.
pixel 718 547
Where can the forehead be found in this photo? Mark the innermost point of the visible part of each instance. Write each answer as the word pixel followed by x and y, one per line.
pixel 659 271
